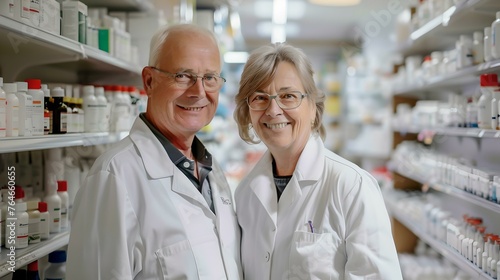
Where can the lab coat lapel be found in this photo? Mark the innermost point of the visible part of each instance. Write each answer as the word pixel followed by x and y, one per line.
pixel 264 188
pixel 291 194
pixel 183 186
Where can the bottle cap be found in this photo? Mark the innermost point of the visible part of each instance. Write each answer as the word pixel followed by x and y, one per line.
pixel 58 256
pixel 1 81
pixel 18 193
pixel 34 83
pixel 57 92
pixel 88 90
pixel 33 266
pixel 42 206
pixel 489 80
pixel 62 186
pixel 10 87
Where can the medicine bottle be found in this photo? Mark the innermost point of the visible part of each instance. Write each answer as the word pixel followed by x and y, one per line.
pixel 21 228
pixel 58 117
pixel 47 103
pixel 91 109
pixel 35 90
pixel 25 109
pixel 56 270
pixel 489 82
pixel 3 111
pixel 11 110
pixel 478 47
pixel 495 37
pixel 33 221
pixel 53 203
pixel 44 220
pixel 62 191
pixel 33 271
pixel 487 44
pixel 104 110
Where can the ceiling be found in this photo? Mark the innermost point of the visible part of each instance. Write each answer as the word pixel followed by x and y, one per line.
pixel 318 25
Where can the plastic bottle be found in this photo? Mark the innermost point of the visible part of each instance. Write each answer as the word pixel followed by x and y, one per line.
pixel 33 222
pixel 25 109
pixel 53 203
pixel 21 227
pixel 494 108
pixel 46 109
pixel 478 47
pixel 62 191
pixel 487 44
pixel 91 109
pixel 20 273
pixel 471 113
pixel 56 270
pixel 12 110
pixel 44 220
pixel 104 110
pixel 464 52
pixel 72 120
pixel 495 37
pixel 3 110
pixel 489 83
pixel 35 90
pixel 33 271
pixel 59 118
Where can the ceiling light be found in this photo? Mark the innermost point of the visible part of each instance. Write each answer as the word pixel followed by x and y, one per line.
pixel 335 2
pixel 235 57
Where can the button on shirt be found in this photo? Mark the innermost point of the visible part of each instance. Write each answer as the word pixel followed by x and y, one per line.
pixel 187 166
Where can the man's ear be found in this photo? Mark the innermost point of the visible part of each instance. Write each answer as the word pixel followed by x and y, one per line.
pixel 147 79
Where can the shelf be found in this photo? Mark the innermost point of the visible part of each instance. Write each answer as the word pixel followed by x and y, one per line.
pixel 442 248
pixel 121 5
pixel 453 131
pixel 27 47
pixel 18 144
pixel 453 191
pixel 33 252
pixel 441 32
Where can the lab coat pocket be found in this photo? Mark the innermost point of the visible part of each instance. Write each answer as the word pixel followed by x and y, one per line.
pixel 177 262
pixel 312 256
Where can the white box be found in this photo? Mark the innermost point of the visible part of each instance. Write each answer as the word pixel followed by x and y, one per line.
pixel 50 16
pixel 74 20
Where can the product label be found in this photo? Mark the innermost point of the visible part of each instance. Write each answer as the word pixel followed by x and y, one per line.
pixel 64 122
pixel 34 230
pixel 46 122
pixel 25 9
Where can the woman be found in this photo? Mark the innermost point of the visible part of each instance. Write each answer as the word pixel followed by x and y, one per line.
pixel 305 212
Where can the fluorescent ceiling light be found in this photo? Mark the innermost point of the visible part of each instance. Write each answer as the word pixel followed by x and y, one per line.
pixel 235 57
pixel 279 34
pixel 279 11
pixel 265 29
pixel 264 9
pixel 335 2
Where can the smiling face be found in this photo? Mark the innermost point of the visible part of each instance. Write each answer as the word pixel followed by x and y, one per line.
pixel 180 113
pixel 285 132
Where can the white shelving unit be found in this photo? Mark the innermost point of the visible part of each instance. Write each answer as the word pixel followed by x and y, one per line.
pixel 27 52
pixel 33 252
pixel 474 144
pixel 443 249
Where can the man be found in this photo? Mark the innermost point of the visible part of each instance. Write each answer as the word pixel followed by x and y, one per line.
pixel 156 205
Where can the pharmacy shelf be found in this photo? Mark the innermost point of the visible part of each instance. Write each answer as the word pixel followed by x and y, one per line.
pixel 19 144
pixel 441 32
pixel 33 252
pixel 442 248
pixel 453 191
pixel 460 78
pixel 121 5
pixel 26 46
pixel 452 131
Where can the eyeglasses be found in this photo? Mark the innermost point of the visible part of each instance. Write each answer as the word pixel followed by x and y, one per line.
pixel 185 80
pixel 286 100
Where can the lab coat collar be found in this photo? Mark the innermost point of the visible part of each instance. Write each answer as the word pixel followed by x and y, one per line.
pixel 307 172
pixel 151 151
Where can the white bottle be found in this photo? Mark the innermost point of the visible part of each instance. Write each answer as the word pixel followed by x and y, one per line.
pixel 104 110
pixel 495 37
pixel 12 110
pixel 46 110
pixel 20 228
pixel 56 270
pixel 489 82
pixel 62 191
pixel 34 221
pixel 487 44
pixel 7 8
pixel 91 109
pixel 464 52
pixel 44 220
pixel 35 90
pixel 478 47
pixel 53 203
pixel 3 110
pixel 25 109
pixel 494 108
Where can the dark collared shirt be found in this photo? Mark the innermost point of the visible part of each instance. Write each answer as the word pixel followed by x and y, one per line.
pixel 201 155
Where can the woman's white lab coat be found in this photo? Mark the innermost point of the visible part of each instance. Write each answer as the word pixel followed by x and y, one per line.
pixel 330 222
pixel 139 217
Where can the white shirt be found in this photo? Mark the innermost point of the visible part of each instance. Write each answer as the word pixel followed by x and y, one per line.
pixel 351 232
pixel 137 216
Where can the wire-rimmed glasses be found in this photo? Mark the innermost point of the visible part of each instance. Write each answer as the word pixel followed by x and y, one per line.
pixel 185 80
pixel 260 101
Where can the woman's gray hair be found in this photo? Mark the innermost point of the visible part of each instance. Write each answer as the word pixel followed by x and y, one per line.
pixel 259 72
pixel 161 34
